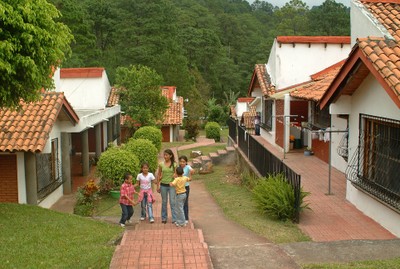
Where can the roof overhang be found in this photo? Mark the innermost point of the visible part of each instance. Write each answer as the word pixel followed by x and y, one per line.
pixel 354 71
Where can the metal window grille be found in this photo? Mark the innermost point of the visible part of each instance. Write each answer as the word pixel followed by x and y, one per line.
pixel 374 166
pixel 267 117
pixel 48 171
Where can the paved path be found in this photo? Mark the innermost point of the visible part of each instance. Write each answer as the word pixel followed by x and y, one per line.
pixel 333 224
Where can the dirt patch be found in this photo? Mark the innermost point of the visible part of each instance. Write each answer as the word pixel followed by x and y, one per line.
pixel 231 175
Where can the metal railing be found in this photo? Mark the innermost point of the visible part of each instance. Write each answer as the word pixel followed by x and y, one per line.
pixel 267 163
pixel 232 124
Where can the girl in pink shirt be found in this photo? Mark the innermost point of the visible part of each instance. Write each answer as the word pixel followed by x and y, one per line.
pixel 144 180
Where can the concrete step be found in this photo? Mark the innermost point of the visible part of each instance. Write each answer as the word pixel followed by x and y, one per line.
pixel 230 149
pixel 222 152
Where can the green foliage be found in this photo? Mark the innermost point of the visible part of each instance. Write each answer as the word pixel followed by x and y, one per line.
pixel 145 152
pixel 275 197
pixel 114 163
pixel 141 96
pixel 85 199
pixel 151 133
pixel 192 129
pixel 213 131
pixel 32 44
pixel 216 112
pixel 249 180
pixel 331 18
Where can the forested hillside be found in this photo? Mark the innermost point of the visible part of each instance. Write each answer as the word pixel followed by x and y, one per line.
pixel 204 47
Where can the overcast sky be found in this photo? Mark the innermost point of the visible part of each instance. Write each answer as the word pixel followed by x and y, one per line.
pixel 310 3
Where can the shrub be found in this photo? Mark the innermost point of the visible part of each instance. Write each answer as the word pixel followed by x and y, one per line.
pixel 114 163
pixel 86 196
pixel 213 131
pixel 248 180
pixel 150 133
pixel 145 151
pixel 192 129
pixel 275 197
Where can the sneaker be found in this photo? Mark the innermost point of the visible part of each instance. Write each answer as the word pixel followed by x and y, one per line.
pixel 122 225
pixel 151 220
pixel 142 218
pixel 164 221
pixel 186 222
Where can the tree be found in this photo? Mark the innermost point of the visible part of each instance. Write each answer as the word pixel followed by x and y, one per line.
pixel 330 18
pixel 292 18
pixel 32 45
pixel 140 94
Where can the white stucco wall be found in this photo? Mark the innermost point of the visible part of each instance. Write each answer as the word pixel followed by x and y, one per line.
pixel 240 108
pixel 86 93
pixel 338 124
pixel 364 24
pixel 370 98
pixel 290 65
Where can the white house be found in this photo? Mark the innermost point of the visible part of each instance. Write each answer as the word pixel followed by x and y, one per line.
pixel 365 96
pixel 292 62
pixel 37 141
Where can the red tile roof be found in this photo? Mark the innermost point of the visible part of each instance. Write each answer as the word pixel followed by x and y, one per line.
pixel 316 88
pixel 379 56
pixel 113 98
pixel 168 91
pixel 174 113
pixel 262 80
pixel 245 99
pixel 314 39
pixel 88 72
pixel 28 129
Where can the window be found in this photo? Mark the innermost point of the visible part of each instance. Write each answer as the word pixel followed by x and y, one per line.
pixel 321 118
pixel 376 163
pixel 267 116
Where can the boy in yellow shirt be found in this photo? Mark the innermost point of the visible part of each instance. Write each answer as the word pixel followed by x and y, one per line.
pixel 179 184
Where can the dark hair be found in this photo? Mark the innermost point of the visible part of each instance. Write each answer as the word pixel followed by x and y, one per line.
pixel 170 153
pixel 183 157
pixel 127 175
pixel 179 171
pixel 143 164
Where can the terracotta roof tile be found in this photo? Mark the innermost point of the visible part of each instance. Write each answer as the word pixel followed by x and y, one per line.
pixel 245 99
pixel 314 39
pixel 87 72
pixel 174 113
pixel 263 80
pixel 315 89
pixel 113 98
pixel 28 128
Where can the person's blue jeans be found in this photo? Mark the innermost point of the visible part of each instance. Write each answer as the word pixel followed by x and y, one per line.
pixel 127 213
pixel 145 203
pixel 257 129
pixel 165 192
pixel 180 215
pixel 186 204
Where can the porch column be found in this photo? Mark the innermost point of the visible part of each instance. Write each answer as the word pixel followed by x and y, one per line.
pixel 31 179
pixel 97 131
pixel 66 162
pixel 109 131
pixel 85 153
pixel 118 122
pixel 286 122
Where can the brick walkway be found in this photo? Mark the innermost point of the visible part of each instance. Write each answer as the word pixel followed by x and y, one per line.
pixel 160 245
pixel 332 217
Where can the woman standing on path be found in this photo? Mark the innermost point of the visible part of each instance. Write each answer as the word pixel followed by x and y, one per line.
pixel 146 199
pixel 165 175
pixel 187 172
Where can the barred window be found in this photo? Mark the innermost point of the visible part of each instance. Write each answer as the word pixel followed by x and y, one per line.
pixel 266 120
pixel 321 118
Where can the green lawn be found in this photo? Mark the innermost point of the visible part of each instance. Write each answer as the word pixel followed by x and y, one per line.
pixel 238 205
pixel 205 150
pixel 384 264
pixel 34 237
